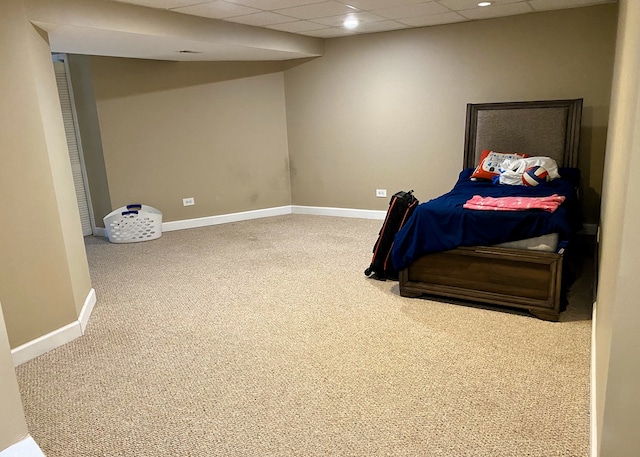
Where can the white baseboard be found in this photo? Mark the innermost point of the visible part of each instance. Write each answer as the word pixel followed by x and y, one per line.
pixel 270 212
pixel 45 343
pixel 25 448
pixel 593 436
pixel 100 231
pixel 260 213
pixel 339 212
pixel 58 337
pixel 225 218
pixel 87 309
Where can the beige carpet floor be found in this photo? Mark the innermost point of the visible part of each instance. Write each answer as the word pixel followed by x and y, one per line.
pixel 264 338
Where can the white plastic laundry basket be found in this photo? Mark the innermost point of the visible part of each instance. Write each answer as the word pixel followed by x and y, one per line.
pixel 133 223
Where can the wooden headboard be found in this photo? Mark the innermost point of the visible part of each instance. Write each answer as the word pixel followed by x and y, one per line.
pixel 539 128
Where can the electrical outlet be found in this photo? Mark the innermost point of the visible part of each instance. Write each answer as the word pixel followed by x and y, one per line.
pixel 188 201
pixel 381 192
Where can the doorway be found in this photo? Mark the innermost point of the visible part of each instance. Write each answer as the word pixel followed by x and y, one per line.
pixel 69 116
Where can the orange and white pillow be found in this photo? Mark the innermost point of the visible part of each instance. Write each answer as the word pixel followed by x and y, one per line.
pixel 490 161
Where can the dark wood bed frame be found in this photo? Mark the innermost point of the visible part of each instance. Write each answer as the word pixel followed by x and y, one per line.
pixel 516 278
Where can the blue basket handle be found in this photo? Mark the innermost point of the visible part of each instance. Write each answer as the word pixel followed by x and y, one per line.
pixel 134 207
pixel 125 213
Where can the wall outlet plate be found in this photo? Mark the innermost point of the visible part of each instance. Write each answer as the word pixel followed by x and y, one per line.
pixel 381 192
pixel 188 201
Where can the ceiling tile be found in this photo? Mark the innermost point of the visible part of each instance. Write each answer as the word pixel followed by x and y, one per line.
pixel 337 21
pixel 497 11
pixel 270 5
pixel 541 5
pixel 262 19
pixel 316 10
pixel 216 10
pixel 162 4
pixel 421 9
pixel 368 5
pixel 458 5
pixel 382 26
pixel 297 26
pixel 433 19
pixel 178 3
pixel 332 32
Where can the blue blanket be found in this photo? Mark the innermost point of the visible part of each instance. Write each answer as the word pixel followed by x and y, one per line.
pixel 442 224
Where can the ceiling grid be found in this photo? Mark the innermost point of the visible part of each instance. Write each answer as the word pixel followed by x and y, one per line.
pixel 326 18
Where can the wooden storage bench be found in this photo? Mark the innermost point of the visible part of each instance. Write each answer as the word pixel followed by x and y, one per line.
pixel 499 276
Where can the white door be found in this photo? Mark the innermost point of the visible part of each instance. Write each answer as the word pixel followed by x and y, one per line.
pixel 74 144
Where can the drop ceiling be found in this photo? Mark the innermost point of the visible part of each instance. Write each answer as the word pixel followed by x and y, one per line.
pixel 324 19
pixel 246 30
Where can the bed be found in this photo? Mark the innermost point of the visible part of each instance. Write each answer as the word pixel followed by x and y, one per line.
pixel 487 271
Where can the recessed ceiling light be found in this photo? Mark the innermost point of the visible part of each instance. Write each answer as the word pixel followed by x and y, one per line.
pixel 351 22
pixel 485 3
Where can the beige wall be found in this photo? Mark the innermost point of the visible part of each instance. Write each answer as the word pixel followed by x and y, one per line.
pixel 13 427
pixel 617 313
pixel 213 131
pixel 44 276
pixel 376 111
pixel 388 110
